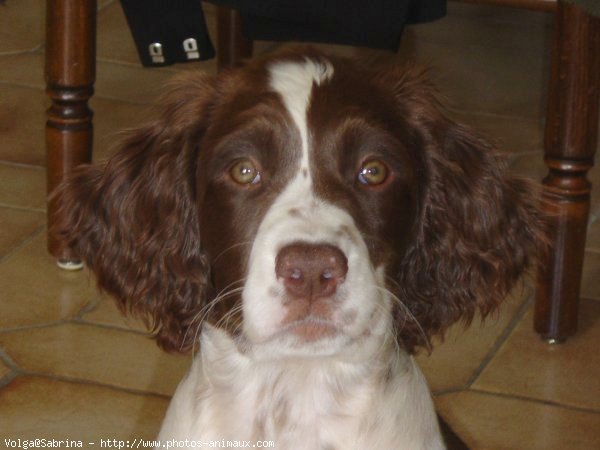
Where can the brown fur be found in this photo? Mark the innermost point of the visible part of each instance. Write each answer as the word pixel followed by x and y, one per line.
pixel 154 228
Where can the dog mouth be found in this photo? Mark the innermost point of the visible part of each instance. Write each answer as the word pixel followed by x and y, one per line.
pixel 310 329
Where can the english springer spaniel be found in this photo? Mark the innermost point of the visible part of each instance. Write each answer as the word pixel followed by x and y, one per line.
pixel 308 223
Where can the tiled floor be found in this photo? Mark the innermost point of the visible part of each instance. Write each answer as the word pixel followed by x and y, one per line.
pixel 72 367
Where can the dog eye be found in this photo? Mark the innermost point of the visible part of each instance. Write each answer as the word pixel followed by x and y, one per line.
pixel 372 173
pixel 245 172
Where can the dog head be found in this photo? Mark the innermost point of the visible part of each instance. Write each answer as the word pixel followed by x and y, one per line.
pixel 305 203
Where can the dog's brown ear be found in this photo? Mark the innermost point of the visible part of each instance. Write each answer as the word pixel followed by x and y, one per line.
pixel 134 219
pixel 478 226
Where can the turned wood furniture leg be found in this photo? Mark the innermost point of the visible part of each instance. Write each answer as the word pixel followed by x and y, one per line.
pixel 232 46
pixel 70 73
pixel 570 144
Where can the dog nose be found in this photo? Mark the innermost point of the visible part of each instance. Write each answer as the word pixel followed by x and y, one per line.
pixel 311 271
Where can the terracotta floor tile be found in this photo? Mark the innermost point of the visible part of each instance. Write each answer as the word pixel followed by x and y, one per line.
pixel 590 280
pixel 479 64
pixel 129 82
pixel 481 84
pixel 22 187
pixel 22 105
pixel 568 374
pixel 23 69
pixel 511 135
pixel 16 225
pixel 488 26
pixel 104 3
pixel 35 291
pixel 111 118
pixel 594 177
pixel 105 312
pixel 134 83
pixel 4 370
pixel 114 40
pixel 453 362
pixel 103 355
pixel 33 407
pixel 530 165
pixel 489 422
pixel 593 237
pixel 22 25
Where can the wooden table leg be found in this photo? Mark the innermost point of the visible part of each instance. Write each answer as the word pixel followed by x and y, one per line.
pixel 70 73
pixel 570 144
pixel 232 46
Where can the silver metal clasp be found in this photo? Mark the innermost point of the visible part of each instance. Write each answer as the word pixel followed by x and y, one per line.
pixel 191 48
pixel 156 52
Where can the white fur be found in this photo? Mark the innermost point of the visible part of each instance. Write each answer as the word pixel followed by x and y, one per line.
pixel 353 389
pixel 294 82
pixel 304 403
pixel 315 221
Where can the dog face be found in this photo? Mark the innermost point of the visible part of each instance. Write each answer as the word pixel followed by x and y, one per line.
pixel 304 203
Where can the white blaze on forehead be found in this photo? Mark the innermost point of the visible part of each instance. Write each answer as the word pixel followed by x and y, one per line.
pixel 294 82
pixel 298 215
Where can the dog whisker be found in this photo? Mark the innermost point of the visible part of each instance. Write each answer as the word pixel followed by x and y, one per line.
pixel 407 314
pixel 227 317
pixel 310 181
pixel 230 248
pixel 205 311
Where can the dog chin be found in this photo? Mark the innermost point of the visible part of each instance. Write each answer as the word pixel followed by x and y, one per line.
pixel 300 339
pixel 312 340
pixel 311 330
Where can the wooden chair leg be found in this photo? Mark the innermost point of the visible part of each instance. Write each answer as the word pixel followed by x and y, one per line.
pixel 70 73
pixel 232 46
pixel 570 144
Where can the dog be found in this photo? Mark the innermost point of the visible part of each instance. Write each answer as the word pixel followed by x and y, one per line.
pixel 308 222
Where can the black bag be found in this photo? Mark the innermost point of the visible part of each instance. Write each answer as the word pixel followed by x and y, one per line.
pixel 172 31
